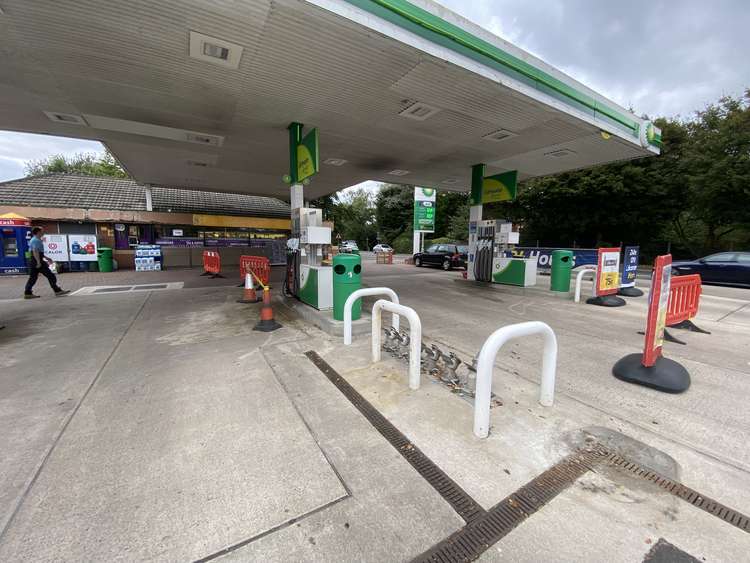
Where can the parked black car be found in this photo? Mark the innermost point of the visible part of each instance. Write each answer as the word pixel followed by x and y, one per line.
pixel 447 256
pixel 728 268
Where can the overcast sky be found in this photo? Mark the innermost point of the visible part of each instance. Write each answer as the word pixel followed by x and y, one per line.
pixel 662 58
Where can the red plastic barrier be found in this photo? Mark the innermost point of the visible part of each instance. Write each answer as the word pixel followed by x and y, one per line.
pixel 211 262
pixel 260 266
pixel 684 298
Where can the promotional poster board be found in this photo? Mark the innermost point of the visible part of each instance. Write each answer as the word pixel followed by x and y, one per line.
pixel 630 266
pixel 82 248
pixel 424 209
pixel 581 256
pixel 608 271
pixel 658 302
pixel 56 247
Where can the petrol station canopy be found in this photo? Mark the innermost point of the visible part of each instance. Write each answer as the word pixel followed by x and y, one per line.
pixel 198 94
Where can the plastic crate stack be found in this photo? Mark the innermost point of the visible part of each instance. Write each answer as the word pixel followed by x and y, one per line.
pixel 148 258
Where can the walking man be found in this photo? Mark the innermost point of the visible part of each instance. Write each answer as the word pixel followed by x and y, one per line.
pixel 38 264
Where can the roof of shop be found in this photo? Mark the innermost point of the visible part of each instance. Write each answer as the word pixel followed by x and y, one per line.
pixel 97 192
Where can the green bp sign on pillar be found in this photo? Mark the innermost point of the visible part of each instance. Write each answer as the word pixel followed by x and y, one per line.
pixel 424 209
pixel 304 155
pixel 492 189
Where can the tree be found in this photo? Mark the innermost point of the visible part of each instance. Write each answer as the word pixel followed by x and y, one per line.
pixel 394 211
pixel 354 218
pixel 89 164
pixel 717 168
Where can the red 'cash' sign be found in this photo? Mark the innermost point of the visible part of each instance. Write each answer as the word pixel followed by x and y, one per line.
pixel 658 301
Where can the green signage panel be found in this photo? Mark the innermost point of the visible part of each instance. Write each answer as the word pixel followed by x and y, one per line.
pixel 500 187
pixel 308 162
pixel 424 209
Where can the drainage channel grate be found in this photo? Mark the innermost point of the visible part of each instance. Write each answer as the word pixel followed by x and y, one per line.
pixel 462 503
pixel 468 543
pixel 484 528
pixel 112 289
pixel 147 287
pixel 687 494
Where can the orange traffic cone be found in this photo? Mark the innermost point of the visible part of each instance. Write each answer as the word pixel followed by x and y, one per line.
pixel 249 294
pixel 266 323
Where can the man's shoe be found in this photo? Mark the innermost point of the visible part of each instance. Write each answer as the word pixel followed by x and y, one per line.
pixel 62 292
pixel 30 296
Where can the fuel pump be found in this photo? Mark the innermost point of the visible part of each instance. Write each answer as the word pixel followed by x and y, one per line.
pixel 481 249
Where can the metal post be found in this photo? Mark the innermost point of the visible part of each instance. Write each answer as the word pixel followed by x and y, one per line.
pixel 579 277
pixel 486 362
pixel 349 304
pixel 415 329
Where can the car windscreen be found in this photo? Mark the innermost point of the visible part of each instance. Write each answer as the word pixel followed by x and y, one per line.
pixel 462 249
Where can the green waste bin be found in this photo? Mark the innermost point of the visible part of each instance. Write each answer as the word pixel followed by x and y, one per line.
pixel 347 278
pixel 562 264
pixel 105 259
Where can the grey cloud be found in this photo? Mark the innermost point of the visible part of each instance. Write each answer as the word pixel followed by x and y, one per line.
pixel 660 57
pixel 18 148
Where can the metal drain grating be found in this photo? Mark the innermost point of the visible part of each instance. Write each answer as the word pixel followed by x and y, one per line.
pixel 679 490
pixel 147 287
pixel 462 503
pixel 112 289
pixel 468 543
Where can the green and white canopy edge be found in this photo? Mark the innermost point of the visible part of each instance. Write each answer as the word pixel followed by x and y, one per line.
pixel 360 71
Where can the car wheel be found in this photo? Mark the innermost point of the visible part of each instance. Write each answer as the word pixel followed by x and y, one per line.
pixel 418 262
pixel 446 265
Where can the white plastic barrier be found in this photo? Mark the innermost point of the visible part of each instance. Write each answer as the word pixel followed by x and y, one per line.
pixel 349 303
pixel 415 333
pixel 486 362
pixel 579 278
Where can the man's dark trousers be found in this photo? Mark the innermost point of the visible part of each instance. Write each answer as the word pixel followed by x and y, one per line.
pixel 34 275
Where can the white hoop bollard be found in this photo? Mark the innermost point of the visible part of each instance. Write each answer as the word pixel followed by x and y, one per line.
pixel 349 303
pixel 486 362
pixel 579 277
pixel 415 333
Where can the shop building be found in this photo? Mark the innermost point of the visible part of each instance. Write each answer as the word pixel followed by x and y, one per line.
pixel 123 214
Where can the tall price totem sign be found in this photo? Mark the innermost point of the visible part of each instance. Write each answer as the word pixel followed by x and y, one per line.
pixel 608 271
pixel 656 320
pixel 424 209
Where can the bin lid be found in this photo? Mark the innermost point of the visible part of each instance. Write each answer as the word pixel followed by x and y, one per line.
pixel 562 252
pixel 105 249
pixel 350 259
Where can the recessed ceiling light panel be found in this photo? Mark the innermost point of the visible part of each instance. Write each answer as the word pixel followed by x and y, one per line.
pixel 67 118
pixel 499 135
pixel 152 130
pixel 335 161
pixel 419 111
pixel 213 50
pixel 398 172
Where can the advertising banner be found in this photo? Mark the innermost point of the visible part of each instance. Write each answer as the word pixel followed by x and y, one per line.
pixel 82 248
pixel 424 209
pixel 56 247
pixel 658 301
pixel 581 256
pixel 608 271
pixel 630 266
